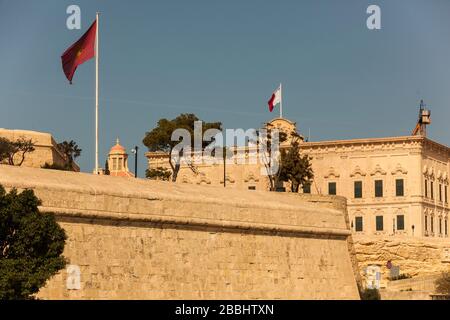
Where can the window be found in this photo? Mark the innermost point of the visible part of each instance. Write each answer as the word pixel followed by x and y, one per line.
pixel 440 225
pixel 400 222
pixel 251 188
pixel 445 226
pixel 379 223
pixel 332 188
pixel 431 190
pixel 445 194
pixel 358 224
pixel 432 224
pixel 399 188
pixel 440 192
pixel 378 188
pixel 307 188
pixel 114 164
pixel 426 188
pixel 358 189
pixel 426 223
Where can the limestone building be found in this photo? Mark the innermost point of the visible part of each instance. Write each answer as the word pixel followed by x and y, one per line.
pixel 395 186
pixel 46 150
pixel 117 162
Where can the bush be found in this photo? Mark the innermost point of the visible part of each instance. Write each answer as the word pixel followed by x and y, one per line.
pixel 443 283
pixel 159 173
pixel 31 245
pixel 55 166
pixel 401 277
pixel 370 294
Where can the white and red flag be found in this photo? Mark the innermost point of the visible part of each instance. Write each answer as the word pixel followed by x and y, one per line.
pixel 275 99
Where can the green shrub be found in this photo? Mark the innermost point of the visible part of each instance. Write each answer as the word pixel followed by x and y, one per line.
pixel 55 166
pixel 401 277
pixel 370 294
pixel 31 245
pixel 443 283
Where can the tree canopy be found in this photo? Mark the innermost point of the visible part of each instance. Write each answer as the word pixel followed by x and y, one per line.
pixel 31 245
pixel 160 137
pixel 295 168
pixel 14 151
pixel 265 142
pixel 70 150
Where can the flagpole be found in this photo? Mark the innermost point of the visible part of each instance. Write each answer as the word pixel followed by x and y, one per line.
pixel 281 101
pixel 96 94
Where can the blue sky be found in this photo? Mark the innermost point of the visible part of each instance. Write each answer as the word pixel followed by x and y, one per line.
pixel 221 60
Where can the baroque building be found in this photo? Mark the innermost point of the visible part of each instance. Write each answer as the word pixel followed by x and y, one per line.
pixel 117 162
pixel 395 186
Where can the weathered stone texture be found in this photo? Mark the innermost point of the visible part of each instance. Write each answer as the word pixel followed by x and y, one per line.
pixel 46 150
pixel 416 257
pixel 139 239
pixel 163 262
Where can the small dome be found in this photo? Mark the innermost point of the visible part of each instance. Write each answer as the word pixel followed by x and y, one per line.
pixel 117 148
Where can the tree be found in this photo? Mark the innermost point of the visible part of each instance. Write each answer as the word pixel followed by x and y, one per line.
pixel 31 245
pixel 159 138
pixel 5 148
pixel 70 150
pixel 443 283
pixel 295 168
pixel 265 143
pixel 107 172
pixel 159 173
pixel 11 149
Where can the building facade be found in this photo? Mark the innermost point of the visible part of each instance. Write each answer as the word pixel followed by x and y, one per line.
pixel 46 148
pixel 117 162
pixel 395 186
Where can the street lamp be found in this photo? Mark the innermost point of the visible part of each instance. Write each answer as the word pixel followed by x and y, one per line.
pixel 135 152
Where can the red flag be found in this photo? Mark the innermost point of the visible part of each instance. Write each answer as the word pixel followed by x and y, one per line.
pixel 80 52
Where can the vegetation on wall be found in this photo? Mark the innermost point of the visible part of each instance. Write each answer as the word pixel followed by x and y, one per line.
pixel 14 152
pixel 443 283
pixel 400 277
pixel 31 245
pixel 370 294
pixel 55 166
pixel 158 174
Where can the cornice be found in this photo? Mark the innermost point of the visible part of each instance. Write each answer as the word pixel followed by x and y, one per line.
pixel 364 141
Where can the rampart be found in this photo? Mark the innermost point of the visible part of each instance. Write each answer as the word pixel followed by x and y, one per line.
pixel 141 239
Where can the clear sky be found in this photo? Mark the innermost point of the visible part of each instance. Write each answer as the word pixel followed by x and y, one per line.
pixel 221 60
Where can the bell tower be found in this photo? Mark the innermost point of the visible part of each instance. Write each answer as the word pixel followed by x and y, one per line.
pixel 118 161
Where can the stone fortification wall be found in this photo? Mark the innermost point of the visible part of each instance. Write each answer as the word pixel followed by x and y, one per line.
pixel 140 239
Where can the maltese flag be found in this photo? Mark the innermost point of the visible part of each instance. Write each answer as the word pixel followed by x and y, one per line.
pixel 275 99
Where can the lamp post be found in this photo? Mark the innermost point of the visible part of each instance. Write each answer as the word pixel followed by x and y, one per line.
pixel 135 151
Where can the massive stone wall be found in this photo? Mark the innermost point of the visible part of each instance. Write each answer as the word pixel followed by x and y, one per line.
pixel 140 239
pixel 416 257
